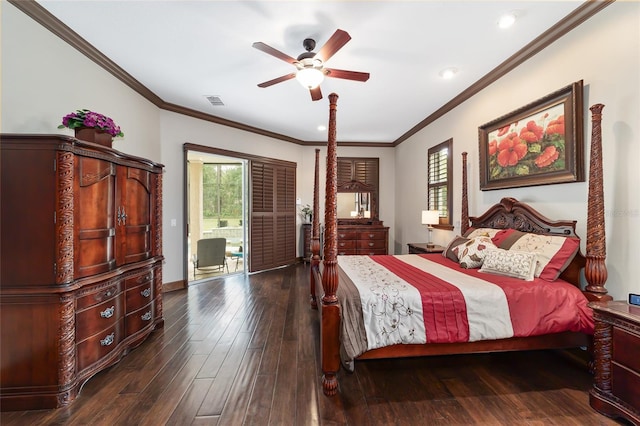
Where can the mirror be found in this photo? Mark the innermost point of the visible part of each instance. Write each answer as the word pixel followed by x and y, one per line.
pixel 354 205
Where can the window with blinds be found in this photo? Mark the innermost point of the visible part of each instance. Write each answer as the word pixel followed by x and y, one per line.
pixel 440 182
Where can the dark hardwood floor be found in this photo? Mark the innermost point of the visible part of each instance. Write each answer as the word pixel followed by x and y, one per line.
pixel 244 350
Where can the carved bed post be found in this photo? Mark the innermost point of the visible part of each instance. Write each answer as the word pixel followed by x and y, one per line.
pixel 464 218
pixel 315 232
pixel 330 322
pixel 596 270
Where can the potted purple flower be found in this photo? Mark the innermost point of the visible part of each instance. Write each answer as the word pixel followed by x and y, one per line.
pixel 91 126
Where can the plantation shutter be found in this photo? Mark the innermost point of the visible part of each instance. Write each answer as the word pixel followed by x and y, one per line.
pixel 273 215
pixel 363 170
pixel 439 184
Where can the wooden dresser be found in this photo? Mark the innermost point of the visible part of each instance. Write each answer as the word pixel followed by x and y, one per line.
pixel 372 238
pixel 616 389
pixel 306 242
pixel 81 276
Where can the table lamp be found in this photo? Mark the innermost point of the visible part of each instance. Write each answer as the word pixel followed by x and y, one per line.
pixel 430 218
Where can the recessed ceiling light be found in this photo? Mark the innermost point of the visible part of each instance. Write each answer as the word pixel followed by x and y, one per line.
pixel 448 73
pixel 322 128
pixel 507 20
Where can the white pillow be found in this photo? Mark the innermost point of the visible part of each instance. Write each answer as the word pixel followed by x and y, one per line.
pixel 471 253
pixel 512 263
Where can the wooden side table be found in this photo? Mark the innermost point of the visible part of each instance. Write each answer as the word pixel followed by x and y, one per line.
pixel 421 248
pixel 616 353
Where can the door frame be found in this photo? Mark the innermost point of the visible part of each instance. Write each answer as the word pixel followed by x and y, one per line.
pixel 215 155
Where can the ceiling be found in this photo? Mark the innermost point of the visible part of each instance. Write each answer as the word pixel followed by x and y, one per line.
pixel 184 51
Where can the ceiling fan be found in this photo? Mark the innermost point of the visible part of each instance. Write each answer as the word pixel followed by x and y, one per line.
pixel 310 69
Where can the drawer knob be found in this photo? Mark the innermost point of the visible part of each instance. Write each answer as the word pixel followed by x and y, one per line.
pixel 146 292
pixel 372 235
pixel 144 279
pixel 146 316
pixel 105 295
pixel 107 341
pixel 341 235
pixel 371 244
pixel 108 313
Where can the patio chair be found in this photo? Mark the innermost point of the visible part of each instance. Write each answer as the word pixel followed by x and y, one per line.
pixel 212 253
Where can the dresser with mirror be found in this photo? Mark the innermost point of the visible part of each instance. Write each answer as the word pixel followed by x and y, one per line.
pixel 360 230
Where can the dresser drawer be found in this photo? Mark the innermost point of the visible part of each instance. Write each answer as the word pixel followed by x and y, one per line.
pixel 625 349
pixel 373 235
pixel 92 320
pixel 347 252
pixel 347 235
pixel 625 384
pixel 139 319
pixel 371 244
pixel 371 252
pixel 346 245
pixel 137 297
pixel 95 347
pixel 136 280
pixel 97 294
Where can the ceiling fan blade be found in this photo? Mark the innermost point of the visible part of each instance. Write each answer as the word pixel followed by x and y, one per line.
pixel 348 75
pixel 316 94
pixel 335 43
pixel 274 52
pixel 277 80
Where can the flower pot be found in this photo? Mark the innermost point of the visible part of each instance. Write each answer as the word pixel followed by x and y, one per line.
pixel 91 134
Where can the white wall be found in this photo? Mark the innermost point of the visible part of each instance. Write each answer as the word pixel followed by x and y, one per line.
pixel 605 53
pixel 43 79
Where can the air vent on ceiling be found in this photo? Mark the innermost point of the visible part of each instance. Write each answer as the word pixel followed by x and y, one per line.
pixel 215 100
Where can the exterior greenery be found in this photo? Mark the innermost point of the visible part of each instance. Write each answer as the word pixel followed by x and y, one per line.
pixel 222 194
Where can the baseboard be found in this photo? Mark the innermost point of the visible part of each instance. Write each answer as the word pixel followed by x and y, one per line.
pixel 173 286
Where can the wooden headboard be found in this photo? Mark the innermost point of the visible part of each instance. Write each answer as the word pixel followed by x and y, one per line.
pixel 513 214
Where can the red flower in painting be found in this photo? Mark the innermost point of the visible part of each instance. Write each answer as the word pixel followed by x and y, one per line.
pixel 532 132
pixel 493 147
pixel 503 130
pixel 548 156
pixel 556 127
pixel 511 150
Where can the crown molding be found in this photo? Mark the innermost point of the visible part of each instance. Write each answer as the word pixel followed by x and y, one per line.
pixel 38 13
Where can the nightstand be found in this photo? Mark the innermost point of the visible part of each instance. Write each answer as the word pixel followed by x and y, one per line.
pixel 421 248
pixel 616 345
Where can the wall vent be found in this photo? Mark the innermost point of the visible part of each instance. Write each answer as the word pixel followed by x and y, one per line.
pixel 215 100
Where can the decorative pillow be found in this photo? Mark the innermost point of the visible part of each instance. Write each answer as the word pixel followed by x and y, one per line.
pixel 512 263
pixel 471 253
pixel 448 251
pixel 554 253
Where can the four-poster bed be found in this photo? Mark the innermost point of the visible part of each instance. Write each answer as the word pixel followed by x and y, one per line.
pixel 509 216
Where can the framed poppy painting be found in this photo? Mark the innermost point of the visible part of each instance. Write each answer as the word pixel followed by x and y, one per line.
pixel 539 144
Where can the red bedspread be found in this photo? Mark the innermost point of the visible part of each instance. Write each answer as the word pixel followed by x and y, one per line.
pixel 455 304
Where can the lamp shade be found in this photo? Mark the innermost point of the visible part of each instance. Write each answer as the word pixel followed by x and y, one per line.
pixel 430 217
pixel 310 77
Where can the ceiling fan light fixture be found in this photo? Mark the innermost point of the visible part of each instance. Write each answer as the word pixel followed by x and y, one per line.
pixel 310 77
